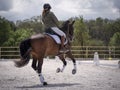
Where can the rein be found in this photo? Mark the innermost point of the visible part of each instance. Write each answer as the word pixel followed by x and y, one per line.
pixel 68 33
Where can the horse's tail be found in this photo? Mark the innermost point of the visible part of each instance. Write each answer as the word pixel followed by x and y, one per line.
pixel 25 48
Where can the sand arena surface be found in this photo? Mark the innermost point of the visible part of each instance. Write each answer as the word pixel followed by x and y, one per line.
pixel 88 76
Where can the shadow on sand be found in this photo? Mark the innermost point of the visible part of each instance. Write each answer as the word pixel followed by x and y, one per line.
pixel 50 85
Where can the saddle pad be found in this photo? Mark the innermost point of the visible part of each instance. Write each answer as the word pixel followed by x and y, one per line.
pixel 57 39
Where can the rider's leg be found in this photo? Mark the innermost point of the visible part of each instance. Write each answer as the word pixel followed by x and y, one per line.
pixel 63 37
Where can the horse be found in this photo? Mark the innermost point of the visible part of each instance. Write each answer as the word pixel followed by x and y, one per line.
pixel 42 45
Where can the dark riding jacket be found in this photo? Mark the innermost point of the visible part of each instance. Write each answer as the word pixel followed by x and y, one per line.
pixel 50 20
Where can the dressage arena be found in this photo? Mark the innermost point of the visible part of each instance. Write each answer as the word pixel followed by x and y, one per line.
pixel 88 77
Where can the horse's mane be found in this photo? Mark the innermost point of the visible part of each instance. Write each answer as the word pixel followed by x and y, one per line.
pixel 65 25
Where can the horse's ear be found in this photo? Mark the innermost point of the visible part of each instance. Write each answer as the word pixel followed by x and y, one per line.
pixel 73 22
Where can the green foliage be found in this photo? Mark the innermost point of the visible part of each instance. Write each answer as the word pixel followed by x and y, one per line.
pixel 33 23
pixel 94 42
pixel 5 30
pixel 80 32
pixel 17 36
pixel 87 32
pixel 115 40
pixel 103 29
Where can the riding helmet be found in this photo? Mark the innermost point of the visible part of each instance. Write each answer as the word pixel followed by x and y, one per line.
pixel 45 6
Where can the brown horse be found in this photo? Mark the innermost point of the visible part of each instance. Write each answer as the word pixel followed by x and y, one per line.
pixel 42 45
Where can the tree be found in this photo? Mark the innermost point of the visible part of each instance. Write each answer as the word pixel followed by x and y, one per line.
pixel 81 33
pixel 33 23
pixel 17 36
pixel 115 40
pixel 5 30
pixel 103 29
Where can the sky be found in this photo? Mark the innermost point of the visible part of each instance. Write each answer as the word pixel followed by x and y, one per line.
pixel 15 10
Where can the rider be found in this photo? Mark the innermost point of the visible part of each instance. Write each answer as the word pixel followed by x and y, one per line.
pixel 51 21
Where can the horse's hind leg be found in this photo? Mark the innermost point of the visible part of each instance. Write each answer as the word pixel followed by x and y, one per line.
pixel 39 71
pixel 69 54
pixel 34 63
pixel 64 64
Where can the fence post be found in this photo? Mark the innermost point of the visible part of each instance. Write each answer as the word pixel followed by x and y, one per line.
pixel 87 52
pixel 0 52
pixel 109 53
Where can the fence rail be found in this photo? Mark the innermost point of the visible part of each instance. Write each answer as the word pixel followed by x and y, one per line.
pixel 105 52
pixel 9 52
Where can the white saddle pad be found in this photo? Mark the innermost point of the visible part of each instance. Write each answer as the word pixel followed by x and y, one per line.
pixel 57 39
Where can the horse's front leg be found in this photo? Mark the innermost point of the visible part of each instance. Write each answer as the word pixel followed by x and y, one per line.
pixel 69 54
pixel 64 64
pixel 39 71
pixel 75 67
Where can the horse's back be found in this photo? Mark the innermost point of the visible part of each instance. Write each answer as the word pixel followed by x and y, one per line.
pixel 43 43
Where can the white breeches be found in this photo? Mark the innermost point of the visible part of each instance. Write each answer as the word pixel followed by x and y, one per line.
pixel 58 31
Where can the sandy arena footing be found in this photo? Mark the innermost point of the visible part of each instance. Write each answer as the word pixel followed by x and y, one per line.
pixel 88 76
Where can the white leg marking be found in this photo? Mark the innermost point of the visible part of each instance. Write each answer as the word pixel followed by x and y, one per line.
pixel 75 67
pixel 63 68
pixel 41 78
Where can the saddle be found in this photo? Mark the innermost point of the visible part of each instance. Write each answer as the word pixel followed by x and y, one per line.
pixel 55 36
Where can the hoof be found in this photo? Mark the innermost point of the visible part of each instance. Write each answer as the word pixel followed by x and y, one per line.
pixel 73 71
pixel 45 83
pixel 58 70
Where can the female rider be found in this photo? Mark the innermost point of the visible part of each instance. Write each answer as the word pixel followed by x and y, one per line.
pixel 50 21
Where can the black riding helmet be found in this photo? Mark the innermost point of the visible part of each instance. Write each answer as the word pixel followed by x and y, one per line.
pixel 45 6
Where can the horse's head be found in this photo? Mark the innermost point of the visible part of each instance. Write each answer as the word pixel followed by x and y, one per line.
pixel 68 29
